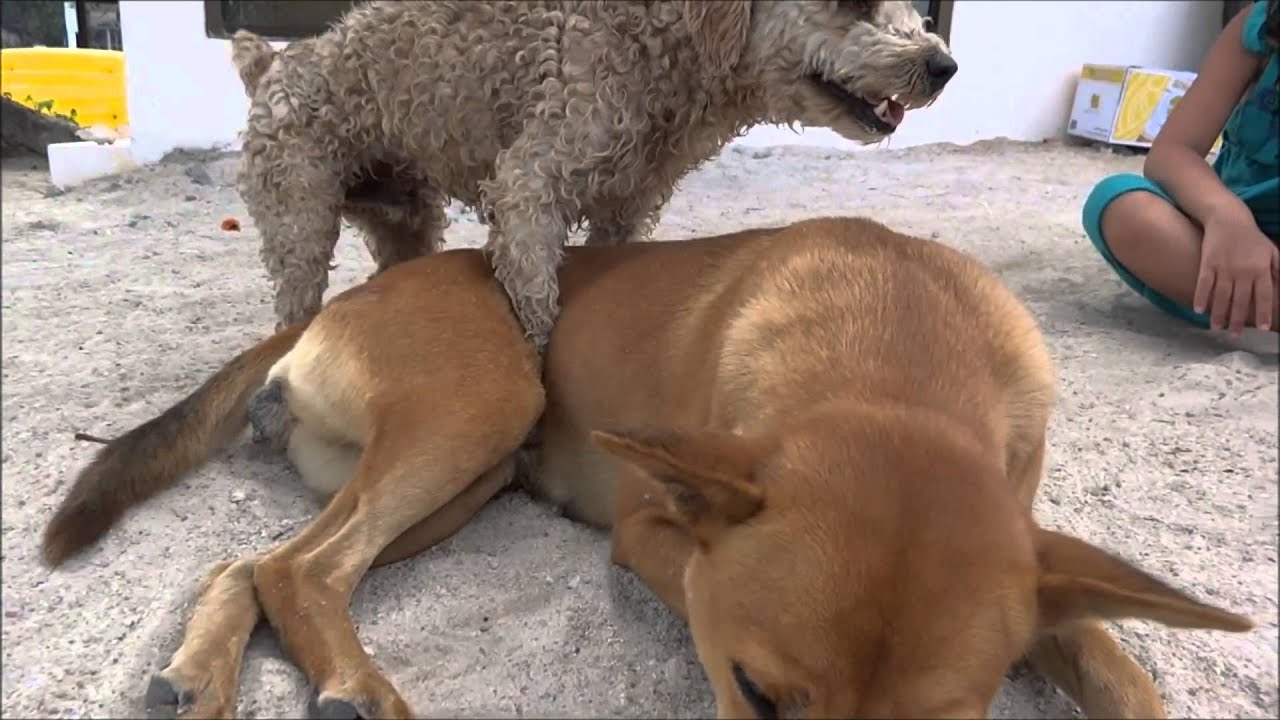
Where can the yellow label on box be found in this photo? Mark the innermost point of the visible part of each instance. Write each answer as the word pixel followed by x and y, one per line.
pixel 1127 105
pixel 1145 104
pixel 1103 73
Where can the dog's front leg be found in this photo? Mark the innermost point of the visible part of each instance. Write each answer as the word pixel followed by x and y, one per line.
pixel 540 187
pixel 295 200
pixel 525 258
pixel 529 226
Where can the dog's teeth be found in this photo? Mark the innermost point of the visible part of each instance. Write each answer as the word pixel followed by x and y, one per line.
pixel 882 110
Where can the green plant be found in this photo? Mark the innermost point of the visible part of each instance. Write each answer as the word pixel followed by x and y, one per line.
pixel 46 106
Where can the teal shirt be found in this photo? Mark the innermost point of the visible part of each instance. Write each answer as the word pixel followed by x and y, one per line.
pixel 1247 162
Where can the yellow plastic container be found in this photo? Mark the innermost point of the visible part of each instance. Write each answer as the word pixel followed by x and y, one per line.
pixel 85 85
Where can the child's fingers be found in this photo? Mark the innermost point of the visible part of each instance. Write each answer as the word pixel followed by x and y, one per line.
pixel 1263 297
pixel 1204 287
pixel 1223 287
pixel 1241 296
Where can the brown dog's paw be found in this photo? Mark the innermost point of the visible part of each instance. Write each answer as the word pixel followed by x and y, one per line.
pixel 331 708
pixel 165 699
pixel 171 698
pixel 328 707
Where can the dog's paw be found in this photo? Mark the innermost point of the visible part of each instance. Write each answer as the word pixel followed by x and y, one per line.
pixel 376 700
pixel 168 698
pixel 329 707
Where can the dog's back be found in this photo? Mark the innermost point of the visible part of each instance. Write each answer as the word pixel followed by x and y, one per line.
pixel 391 93
pixel 737 331
pixel 769 316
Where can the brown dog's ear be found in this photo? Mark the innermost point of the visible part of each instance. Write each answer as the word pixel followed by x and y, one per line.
pixel 707 476
pixel 1081 582
pixel 719 29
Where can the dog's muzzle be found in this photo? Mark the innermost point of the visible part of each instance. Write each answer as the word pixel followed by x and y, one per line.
pixel 940 68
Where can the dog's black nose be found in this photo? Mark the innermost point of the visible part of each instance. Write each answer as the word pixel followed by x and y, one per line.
pixel 941 68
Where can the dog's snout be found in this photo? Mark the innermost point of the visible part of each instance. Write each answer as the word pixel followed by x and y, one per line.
pixel 941 68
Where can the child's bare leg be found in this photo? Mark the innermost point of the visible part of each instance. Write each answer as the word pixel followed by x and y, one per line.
pixel 1152 241
pixel 1157 243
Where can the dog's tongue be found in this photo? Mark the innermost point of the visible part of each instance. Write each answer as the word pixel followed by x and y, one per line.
pixel 891 112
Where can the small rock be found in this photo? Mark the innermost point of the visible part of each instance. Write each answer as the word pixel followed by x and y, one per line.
pixel 238 496
pixel 198 175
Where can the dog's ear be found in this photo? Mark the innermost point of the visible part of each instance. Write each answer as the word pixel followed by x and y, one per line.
pixel 252 57
pixel 706 476
pixel 719 29
pixel 1081 582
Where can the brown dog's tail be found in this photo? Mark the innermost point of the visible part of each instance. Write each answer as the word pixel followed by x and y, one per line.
pixel 154 455
pixel 252 57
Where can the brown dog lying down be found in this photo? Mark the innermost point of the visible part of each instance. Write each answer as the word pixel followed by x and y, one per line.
pixel 819 444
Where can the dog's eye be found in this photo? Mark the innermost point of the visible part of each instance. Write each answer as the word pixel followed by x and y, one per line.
pixel 761 705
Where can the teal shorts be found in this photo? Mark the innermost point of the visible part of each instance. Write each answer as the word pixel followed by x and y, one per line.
pixel 1103 193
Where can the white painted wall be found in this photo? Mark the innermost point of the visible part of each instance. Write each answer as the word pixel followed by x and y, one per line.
pixel 183 91
pixel 1018 65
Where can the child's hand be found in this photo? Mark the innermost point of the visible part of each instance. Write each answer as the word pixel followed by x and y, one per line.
pixel 1238 266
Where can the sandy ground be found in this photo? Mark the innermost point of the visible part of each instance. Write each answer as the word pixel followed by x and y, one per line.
pixel 121 296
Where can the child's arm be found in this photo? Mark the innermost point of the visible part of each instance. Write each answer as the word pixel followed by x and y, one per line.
pixel 1237 262
pixel 1176 161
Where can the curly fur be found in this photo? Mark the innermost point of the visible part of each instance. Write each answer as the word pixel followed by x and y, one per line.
pixel 543 115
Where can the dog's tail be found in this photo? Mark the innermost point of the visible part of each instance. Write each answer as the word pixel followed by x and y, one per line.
pixel 252 57
pixel 154 455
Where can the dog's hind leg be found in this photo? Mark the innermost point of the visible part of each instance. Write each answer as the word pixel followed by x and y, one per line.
pixel 1087 663
pixel 200 680
pixel 442 524
pixel 420 478
pixel 1083 659
pixel 400 232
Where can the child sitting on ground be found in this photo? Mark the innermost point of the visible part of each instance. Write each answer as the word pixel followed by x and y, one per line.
pixel 1200 241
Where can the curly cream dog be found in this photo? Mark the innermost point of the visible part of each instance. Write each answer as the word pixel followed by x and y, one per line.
pixel 544 115
pixel 805 455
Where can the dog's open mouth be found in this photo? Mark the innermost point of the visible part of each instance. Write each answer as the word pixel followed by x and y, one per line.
pixel 882 116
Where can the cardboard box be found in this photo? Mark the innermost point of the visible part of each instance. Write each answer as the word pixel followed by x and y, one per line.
pixel 1126 105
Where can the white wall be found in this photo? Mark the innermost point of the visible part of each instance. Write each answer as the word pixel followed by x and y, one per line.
pixel 1018 63
pixel 183 91
pixel 1019 60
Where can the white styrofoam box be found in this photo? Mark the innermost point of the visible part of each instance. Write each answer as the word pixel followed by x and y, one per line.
pixel 72 163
